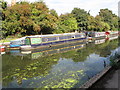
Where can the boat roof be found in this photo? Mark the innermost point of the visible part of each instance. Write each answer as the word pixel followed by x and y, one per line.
pixel 19 39
pixel 48 35
pixel 53 35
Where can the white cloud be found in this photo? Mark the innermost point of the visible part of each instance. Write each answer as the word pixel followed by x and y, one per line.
pixel 66 6
pixel 63 6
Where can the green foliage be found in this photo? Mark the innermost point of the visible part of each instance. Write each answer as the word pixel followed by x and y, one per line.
pixel 35 18
pixel 108 17
pixel 28 18
pixel 82 18
pixel 97 24
pixel 113 61
pixel 4 5
pixel 66 23
pixel 106 26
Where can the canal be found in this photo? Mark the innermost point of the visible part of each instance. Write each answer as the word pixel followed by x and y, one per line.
pixel 65 66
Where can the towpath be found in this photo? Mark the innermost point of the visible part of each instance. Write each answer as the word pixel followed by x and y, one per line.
pixel 111 80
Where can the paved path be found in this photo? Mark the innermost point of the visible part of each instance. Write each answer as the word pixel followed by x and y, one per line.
pixel 110 80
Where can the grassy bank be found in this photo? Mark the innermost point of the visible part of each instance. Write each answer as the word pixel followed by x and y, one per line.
pixel 7 40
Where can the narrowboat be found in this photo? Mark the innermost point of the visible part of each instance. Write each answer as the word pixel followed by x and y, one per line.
pixel 15 44
pixel 91 36
pixel 38 41
pixel 99 41
pixel 113 33
pixel 100 34
pixel 95 34
pixel 2 48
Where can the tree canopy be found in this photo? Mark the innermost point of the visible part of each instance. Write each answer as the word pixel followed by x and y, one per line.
pixel 36 18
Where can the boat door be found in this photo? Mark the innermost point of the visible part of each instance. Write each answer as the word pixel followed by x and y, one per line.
pixel 27 41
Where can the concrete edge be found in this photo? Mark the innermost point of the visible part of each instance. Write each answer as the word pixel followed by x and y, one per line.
pixel 94 79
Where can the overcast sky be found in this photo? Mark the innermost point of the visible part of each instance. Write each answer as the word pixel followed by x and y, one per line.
pixel 66 6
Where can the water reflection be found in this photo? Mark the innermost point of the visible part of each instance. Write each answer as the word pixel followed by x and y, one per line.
pixel 63 66
pixel 37 54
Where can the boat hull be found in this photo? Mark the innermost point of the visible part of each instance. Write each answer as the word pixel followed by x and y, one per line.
pixel 51 44
pixel 14 47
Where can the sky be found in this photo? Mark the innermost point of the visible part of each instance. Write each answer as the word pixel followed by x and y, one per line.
pixel 66 6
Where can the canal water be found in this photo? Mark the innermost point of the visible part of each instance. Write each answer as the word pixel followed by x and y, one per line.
pixel 65 66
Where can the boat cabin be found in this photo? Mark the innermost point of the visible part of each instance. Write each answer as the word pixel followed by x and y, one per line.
pixel 38 39
pixel 17 42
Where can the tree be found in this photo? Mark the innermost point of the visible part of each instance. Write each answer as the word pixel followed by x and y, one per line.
pixel 53 13
pixel 66 23
pixel 35 18
pixel 82 18
pixel 4 5
pixel 28 19
pixel 44 18
pixel 106 26
pixel 17 19
pixel 110 18
pixel 96 24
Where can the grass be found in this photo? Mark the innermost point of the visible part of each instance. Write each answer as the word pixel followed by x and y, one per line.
pixel 7 40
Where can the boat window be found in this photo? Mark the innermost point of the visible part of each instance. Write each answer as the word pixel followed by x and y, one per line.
pixel 36 40
pixel 15 42
pixel 68 37
pixel 62 37
pixel 51 38
pixel 77 35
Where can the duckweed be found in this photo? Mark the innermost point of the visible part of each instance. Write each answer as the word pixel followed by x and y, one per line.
pixel 71 80
pixel 55 60
pixel 73 75
pixel 24 78
pixel 80 71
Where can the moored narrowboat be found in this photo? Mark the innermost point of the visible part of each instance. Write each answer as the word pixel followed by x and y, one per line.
pixel 38 41
pixel 15 44
pixel 97 35
pixel 2 48
pixel 114 33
